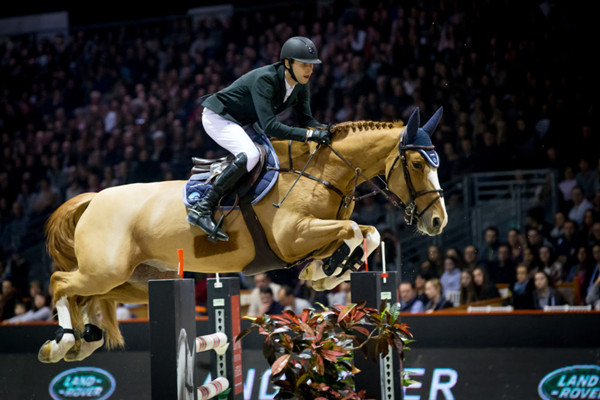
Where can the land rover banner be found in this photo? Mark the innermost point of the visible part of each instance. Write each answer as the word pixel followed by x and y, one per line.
pixel 488 373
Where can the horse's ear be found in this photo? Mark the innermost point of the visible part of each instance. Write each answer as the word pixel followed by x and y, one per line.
pixel 412 126
pixel 433 122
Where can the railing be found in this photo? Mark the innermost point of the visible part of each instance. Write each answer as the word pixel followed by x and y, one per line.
pixel 501 199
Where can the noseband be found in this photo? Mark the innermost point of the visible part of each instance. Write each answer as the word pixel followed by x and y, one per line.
pixel 410 209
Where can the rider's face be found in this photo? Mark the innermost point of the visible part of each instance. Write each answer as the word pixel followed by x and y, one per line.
pixel 303 71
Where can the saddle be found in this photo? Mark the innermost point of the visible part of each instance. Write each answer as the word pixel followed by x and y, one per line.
pixel 252 188
pixel 214 167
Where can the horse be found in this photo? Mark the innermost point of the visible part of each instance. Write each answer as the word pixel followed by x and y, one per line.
pixel 107 245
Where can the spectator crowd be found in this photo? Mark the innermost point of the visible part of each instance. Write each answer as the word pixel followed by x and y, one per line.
pixel 110 105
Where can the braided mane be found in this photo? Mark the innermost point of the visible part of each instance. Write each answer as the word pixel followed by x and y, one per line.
pixel 345 127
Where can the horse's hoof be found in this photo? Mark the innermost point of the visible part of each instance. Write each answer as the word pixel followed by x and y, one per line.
pixel 82 349
pixel 73 353
pixel 52 352
pixel 44 353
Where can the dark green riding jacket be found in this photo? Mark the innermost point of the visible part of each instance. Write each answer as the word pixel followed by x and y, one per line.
pixel 258 96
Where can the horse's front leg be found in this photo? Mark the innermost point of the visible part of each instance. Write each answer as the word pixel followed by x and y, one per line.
pixel 371 234
pixel 334 240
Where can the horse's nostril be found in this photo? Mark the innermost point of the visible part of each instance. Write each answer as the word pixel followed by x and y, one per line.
pixel 437 222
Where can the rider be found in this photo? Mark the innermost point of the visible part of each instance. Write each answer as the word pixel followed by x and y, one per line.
pixel 257 96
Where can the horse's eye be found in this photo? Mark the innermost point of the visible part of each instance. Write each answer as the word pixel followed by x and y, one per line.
pixel 417 165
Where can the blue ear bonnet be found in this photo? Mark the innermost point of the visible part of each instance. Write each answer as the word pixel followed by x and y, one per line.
pixel 421 137
pixel 431 156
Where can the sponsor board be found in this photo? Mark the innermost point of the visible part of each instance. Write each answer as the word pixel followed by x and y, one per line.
pixel 573 382
pixel 82 383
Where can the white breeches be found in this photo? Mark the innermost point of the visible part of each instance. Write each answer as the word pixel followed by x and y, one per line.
pixel 230 136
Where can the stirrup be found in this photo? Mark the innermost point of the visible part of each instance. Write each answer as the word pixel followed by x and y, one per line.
pixel 212 236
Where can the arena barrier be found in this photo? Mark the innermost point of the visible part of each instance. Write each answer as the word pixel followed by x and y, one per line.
pixel 384 382
pixel 173 341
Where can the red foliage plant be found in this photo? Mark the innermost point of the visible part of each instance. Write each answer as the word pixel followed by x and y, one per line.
pixel 311 354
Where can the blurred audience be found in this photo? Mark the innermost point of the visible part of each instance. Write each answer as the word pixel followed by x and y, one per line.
pixel 105 106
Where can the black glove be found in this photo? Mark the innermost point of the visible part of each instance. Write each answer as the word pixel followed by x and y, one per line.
pixel 321 136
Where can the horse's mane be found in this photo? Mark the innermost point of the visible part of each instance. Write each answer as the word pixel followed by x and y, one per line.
pixel 343 128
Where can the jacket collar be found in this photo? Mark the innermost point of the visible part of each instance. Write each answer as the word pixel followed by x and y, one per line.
pixel 282 87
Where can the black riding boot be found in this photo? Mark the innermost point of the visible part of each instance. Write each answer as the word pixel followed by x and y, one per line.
pixel 201 214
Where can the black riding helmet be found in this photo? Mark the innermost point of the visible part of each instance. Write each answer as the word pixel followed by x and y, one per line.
pixel 299 48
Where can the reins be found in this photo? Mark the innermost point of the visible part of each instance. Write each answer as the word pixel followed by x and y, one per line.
pixel 409 209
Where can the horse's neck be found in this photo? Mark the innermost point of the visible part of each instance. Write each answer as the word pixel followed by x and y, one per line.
pixel 368 149
pixel 368 146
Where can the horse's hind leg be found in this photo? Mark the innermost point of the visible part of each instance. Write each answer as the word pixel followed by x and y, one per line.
pixel 54 350
pixel 92 337
pixel 71 285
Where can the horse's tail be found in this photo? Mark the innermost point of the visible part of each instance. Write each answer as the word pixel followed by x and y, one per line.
pixel 112 333
pixel 60 231
pixel 60 235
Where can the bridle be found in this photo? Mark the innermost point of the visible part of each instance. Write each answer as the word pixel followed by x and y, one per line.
pixel 409 209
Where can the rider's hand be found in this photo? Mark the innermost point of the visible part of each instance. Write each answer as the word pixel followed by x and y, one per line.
pixel 321 136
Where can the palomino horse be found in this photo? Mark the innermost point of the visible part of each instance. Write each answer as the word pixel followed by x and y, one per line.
pixel 108 244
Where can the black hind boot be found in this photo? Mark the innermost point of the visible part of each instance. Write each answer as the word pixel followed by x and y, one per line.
pixel 201 213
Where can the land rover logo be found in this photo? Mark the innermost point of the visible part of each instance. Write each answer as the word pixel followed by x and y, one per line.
pixel 82 383
pixel 574 382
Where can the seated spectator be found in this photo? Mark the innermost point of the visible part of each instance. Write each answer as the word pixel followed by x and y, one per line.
pixel 47 198
pixel 471 256
pixel 450 279
pixel 535 240
pixel 567 183
pixel 261 281
pixel 420 281
pixel 20 309
pixel 434 256
pixel 593 295
pixel 568 242
pixel 409 301
pixel 39 312
pixel 586 177
pixel 589 219
pixel 548 263
pixel 580 205
pixel 489 251
pixel 522 290
pixel 268 304
pixel 427 271
pixel 557 228
pixel 594 236
pixel 455 252
pixel 437 301
pixel 290 302
pixel 592 277
pixel 484 289
pixel 544 293
pixel 517 244
pixel 503 270
pixel 582 266
pixel 8 300
pixel 467 287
